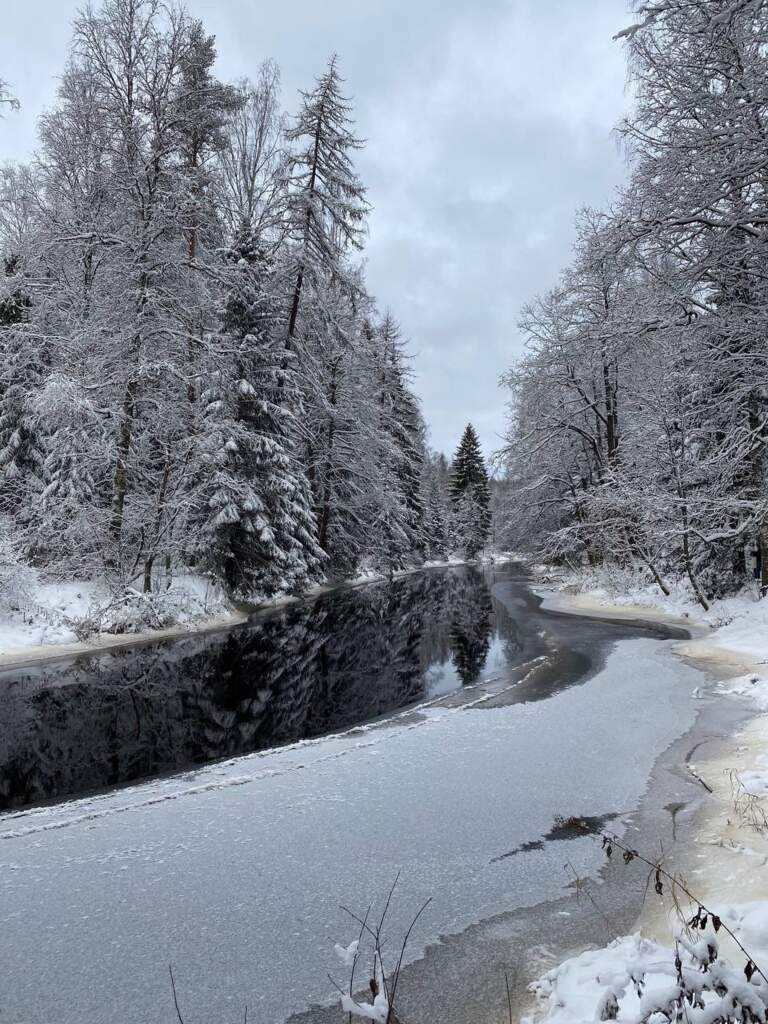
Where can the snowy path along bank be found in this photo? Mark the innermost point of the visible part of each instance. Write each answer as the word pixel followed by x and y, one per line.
pixel 234 873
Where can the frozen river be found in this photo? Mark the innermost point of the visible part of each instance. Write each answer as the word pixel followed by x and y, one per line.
pixel 502 719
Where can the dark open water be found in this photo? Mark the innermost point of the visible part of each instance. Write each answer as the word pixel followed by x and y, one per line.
pixel 304 671
pixel 310 669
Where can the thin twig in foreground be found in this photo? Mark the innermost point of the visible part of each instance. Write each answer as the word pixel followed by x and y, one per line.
pixel 175 1000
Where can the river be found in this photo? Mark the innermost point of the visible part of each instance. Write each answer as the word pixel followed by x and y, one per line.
pixel 212 802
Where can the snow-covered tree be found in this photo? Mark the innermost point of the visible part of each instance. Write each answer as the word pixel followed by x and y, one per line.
pixel 22 368
pixel 258 526
pixel 252 159
pixel 325 200
pixel 194 373
pixel 435 530
pixel 638 432
pixel 470 496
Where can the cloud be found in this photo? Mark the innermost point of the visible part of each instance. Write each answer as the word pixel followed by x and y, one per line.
pixel 479 156
pixel 488 125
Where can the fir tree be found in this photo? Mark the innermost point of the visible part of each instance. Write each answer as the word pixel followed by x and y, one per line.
pixel 470 496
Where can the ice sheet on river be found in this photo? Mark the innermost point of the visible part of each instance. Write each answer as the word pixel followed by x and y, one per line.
pixel 235 873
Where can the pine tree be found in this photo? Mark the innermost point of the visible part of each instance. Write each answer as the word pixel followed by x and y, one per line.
pixel 470 496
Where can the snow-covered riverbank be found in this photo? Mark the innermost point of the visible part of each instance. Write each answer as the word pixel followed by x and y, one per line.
pixel 50 623
pixel 725 857
pixel 44 627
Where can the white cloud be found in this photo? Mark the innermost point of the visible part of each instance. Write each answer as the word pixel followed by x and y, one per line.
pixel 488 124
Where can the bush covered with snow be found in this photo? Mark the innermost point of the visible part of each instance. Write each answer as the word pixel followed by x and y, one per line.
pixel 189 599
pixel 637 981
pixel 17 579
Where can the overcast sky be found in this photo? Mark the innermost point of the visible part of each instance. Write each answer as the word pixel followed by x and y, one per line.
pixel 488 124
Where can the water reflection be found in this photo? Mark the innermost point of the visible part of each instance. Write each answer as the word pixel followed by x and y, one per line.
pixel 309 670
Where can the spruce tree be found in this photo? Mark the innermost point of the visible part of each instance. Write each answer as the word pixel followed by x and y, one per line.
pixel 435 526
pixel 402 427
pixel 257 505
pixel 22 454
pixel 470 496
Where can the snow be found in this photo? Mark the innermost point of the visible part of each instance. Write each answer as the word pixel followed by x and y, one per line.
pixel 634 977
pixel 43 619
pixel 95 888
pixel 572 992
pixel 347 954
pixel 747 629
pixel 49 620
pixel 732 834
pixel 734 628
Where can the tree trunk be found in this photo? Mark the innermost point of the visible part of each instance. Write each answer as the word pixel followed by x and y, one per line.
pixel 148 574
pixel 295 303
pixel 120 482
pixel 158 525
pixel 762 542
pixel 307 223
pixel 688 563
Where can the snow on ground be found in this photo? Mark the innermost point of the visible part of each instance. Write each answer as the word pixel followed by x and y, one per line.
pixel 195 870
pixel 634 978
pixel 734 629
pixel 726 865
pixel 51 619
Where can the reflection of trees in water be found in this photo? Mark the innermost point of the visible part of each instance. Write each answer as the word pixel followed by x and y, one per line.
pixel 316 667
pixel 470 632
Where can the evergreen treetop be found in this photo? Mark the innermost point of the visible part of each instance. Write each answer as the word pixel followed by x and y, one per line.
pixel 469 472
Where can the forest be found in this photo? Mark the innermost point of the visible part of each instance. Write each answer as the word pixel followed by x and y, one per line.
pixel 637 417
pixel 194 376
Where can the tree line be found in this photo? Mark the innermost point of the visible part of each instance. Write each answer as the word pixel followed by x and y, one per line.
pixel 637 431
pixel 193 373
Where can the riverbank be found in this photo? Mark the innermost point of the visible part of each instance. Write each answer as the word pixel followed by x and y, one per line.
pixel 45 629
pixel 722 852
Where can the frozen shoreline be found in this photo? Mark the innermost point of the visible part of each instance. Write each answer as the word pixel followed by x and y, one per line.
pixel 722 849
pixel 194 843
pixel 32 653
